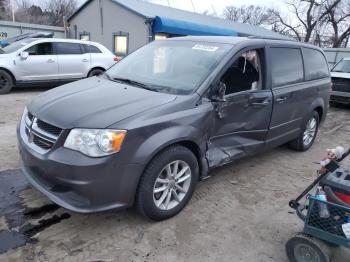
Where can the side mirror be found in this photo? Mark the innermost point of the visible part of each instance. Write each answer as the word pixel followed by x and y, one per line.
pixel 219 93
pixel 24 55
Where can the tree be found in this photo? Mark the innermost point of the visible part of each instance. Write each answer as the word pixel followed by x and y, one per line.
pixel 339 21
pixel 253 15
pixel 28 12
pixel 4 10
pixel 58 9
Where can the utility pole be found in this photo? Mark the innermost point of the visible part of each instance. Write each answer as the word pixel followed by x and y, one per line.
pixel 194 9
pixel 13 11
pixel 318 25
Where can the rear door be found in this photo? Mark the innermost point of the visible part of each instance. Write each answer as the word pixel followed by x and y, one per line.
pixel 41 64
pixel 73 62
pixel 290 93
pixel 241 122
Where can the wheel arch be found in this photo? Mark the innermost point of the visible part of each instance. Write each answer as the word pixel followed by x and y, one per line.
pixel 95 67
pixel 319 106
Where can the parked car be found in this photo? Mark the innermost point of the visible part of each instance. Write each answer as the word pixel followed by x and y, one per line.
pixel 10 40
pixel 341 82
pixel 41 61
pixel 334 55
pixel 152 125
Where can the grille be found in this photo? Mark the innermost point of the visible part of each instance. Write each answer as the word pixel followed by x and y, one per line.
pixel 49 128
pixel 40 134
pixel 341 84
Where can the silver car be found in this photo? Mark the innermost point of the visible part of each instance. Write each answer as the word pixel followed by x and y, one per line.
pixel 33 62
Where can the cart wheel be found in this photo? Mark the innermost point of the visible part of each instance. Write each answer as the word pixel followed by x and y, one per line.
pixel 304 248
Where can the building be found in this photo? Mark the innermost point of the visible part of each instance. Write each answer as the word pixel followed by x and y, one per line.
pixel 125 25
pixel 10 29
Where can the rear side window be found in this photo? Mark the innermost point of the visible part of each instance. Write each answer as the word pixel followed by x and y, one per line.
pixel 286 66
pixel 91 49
pixel 316 66
pixel 68 49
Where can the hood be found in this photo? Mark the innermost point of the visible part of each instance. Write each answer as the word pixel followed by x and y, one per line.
pixel 94 103
pixel 340 75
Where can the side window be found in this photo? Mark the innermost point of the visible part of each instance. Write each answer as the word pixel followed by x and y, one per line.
pixel 286 66
pixel 68 49
pixel 245 73
pixel 40 49
pixel 316 66
pixel 92 49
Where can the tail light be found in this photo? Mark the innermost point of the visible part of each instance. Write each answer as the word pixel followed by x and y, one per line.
pixel 330 88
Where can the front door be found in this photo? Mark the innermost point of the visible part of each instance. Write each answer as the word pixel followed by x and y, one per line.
pixel 242 121
pixel 40 65
pixel 73 62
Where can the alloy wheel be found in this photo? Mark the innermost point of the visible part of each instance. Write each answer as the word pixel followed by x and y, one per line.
pixel 172 185
pixel 310 131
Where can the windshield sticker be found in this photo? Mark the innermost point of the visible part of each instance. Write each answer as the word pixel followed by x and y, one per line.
pixel 207 48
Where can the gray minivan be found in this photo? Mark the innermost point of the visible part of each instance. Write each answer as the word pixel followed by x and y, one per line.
pixel 158 121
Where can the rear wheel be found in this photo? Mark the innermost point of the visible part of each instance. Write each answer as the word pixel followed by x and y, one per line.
pixel 308 136
pixel 6 82
pixel 304 248
pixel 96 72
pixel 167 183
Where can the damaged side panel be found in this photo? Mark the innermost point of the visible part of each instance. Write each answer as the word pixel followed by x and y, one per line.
pixel 240 126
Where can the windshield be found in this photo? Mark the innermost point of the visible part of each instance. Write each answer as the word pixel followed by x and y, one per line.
pixel 177 67
pixel 343 66
pixel 17 45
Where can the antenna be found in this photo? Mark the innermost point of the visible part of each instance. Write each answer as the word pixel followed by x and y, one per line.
pixel 169 3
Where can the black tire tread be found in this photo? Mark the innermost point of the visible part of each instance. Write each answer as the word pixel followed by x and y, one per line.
pixel 322 246
pixel 9 77
pixel 153 165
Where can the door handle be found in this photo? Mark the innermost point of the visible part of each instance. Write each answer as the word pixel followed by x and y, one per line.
pixel 50 61
pixel 263 103
pixel 85 60
pixel 281 99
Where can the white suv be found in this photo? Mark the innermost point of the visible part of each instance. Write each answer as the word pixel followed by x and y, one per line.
pixel 34 61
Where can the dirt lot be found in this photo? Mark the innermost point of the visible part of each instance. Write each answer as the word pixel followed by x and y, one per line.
pixel 240 214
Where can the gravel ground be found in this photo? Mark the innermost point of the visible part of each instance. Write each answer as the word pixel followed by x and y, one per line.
pixel 240 214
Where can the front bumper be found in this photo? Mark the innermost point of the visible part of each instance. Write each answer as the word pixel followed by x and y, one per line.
pixel 77 182
pixel 340 97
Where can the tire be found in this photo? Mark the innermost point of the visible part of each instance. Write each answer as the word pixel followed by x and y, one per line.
pixel 300 144
pixel 95 72
pixel 6 82
pixel 302 248
pixel 156 170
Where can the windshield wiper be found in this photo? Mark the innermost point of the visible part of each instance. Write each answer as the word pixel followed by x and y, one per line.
pixel 135 83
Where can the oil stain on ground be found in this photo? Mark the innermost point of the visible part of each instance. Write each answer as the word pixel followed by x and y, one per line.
pixel 20 232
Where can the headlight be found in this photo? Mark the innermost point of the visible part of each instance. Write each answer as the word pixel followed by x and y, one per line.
pixel 95 142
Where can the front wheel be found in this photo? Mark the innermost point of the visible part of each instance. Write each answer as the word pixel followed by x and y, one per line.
pixel 95 72
pixel 304 248
pixel 306 139
pixel 167 183
pixel 6 82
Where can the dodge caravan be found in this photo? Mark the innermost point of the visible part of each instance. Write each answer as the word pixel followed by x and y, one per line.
pixel 153 125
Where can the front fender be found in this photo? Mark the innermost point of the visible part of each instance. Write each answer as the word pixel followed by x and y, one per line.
pixel 166 137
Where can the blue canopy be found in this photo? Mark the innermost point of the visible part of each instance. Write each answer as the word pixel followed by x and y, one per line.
pixel 179 27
